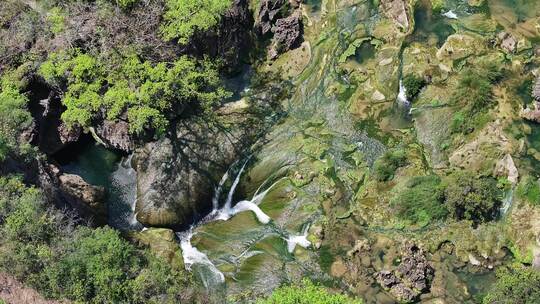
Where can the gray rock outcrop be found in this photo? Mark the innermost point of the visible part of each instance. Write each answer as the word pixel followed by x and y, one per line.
pixel 411 277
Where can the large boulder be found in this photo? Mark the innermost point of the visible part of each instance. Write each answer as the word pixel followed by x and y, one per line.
pixel 396 10
pixel 410 278
pixel 281 19
pixel 176 175
pixel 115 135
pixel 89 200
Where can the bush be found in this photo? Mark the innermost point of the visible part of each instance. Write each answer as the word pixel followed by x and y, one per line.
pixel 474 95
pixel 149 94
pixel 43 248
pixel 515 284
pixel 468 197
pixel 184 17
pixel 14 117
pixel 386 166
pixel 306 293
pixel 529 190
pixel 413 85
pixel 422 201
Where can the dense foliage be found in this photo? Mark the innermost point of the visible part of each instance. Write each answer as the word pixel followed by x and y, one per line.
pixel 474 96
pixel 44 247
pixel 472 198
pixel 413 85
pixel 306 293
pixel 146 93
pixel 185 17
pixel 515 285
pixel 529 190
pixel 421 201
pixel 386 166
pixel 14 117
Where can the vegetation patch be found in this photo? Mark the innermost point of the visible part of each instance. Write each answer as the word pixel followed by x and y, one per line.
pixel 529 190
pixel 386 166
pixel 422 201
pixel 515 284
pixel 306 293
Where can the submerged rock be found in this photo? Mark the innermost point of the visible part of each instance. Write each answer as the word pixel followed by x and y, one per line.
pixel 162 242
pixel 411 278
pixel 508 42
pixel 536 89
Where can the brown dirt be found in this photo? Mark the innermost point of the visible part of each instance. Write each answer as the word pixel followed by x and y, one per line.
pixel 13 292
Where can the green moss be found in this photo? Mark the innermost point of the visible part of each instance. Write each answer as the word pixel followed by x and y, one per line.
pixel 326 258
pixel 422 201
pixel 529 190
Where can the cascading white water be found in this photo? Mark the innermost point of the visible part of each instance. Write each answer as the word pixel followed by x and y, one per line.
pixel 298 240
pixel 450 15
pixel 209 274
pixel 248 205
pixel 217 193
pixel 123 196
pixel 402 96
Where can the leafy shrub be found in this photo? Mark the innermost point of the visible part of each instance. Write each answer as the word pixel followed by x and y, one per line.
pixel 43 248
pixel 306 293
pixel 184 17
pixel 515 284
pixel 413 85
pixel 472 198
pixel 422 201
pixel 149 94
pixel 474 95
pixel 529 190
pixel 14 117
pixel 386 166
pixel 57 20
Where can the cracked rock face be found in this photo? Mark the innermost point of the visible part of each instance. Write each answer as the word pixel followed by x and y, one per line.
pixel 397 11
pixel 410 278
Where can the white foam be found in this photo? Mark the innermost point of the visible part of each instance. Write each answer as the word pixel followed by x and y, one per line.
pixel 402 96
pixel 298 240
pixel 193 256
pixel 450 15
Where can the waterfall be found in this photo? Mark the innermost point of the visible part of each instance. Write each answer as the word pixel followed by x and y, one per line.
pixel 402 96
pixel 300 240
pixel 208 272
pixel 123 196
pixel 233 187
pixel 217 193
pixel 507 202
pixel 248 205
pixel 450 15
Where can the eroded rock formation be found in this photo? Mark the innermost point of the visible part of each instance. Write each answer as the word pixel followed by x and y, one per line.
pixel 410 278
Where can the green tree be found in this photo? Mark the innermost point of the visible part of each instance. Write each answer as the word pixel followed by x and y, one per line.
pixel 472 198
pixel 515 284
pixel 306 293
pixel 413 85
pixel 421 201
pixel 386 166
pixel 184 17
pixel 529 190
pixel 148 93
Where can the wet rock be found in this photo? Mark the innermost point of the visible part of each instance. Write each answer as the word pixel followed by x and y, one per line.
pixel 115 135
pixel 411 277
pixel 287 34
pixel 162 242
pixel 176 176
pixel 396 10
pixel 84 197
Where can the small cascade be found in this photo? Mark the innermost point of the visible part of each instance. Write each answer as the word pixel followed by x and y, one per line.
pixel 298 240
pixel 217 193
pixel 248 205
pixel 507 202
pixel 197 261
pixel 228 202
pixel 402 96
pixel 123 196
pixel 450 15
